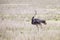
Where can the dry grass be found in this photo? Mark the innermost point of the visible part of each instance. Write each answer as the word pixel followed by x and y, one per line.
pixel 18 27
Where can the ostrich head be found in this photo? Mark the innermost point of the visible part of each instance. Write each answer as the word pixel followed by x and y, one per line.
pixel 34 14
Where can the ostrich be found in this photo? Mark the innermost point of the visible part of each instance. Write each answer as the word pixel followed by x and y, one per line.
pixel 36 21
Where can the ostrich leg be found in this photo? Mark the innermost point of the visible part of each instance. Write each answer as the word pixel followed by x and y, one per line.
pixel 41 26
pixel 37 27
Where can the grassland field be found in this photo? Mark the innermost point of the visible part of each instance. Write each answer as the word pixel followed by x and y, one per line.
pixel 19 27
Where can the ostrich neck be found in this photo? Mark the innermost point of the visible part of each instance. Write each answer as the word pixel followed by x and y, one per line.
pixel 32 20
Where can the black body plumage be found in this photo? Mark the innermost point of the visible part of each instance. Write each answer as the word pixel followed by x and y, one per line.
pixel 37 21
